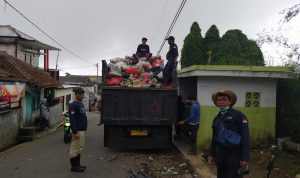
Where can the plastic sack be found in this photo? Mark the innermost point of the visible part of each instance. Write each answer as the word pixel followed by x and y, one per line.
pixel 132 71
pixel 114 70
pixel 115 60
pixel 114 81
pixel 145 77
pixel 158 63
pixel 122 65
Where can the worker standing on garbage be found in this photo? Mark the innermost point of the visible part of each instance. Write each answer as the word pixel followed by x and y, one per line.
pixel 143 50
pixel 171 61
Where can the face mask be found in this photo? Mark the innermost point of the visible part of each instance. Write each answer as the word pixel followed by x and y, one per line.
pixel 224 110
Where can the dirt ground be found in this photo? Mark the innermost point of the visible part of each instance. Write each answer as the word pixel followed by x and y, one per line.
pixel 286 165
pixel 163 164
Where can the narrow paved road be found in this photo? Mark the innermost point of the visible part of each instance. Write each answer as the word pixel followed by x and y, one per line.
pixel 47 157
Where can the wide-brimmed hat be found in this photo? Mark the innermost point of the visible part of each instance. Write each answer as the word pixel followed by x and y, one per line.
pixel 231 95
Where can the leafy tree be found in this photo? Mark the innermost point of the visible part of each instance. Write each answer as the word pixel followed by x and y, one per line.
pixel 192 51
pixel 237 49
pixel 211 43
pixel 289 51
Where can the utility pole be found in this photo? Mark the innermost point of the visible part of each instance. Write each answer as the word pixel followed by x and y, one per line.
pixel 97 71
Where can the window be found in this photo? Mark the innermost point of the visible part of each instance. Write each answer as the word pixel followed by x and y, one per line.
pixel 252 99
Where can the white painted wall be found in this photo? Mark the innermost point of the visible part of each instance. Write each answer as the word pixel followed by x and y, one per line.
pixel 64 92
pixel 266 86
pixel 11 50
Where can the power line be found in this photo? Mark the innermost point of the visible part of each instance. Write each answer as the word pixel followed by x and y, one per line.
pixel 161 16
pixel 172 24
pixel 6 2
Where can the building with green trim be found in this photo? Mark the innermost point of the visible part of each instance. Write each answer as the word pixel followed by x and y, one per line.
pixel 255 87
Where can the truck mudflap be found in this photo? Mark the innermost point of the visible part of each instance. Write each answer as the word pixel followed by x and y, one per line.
pixel 138 137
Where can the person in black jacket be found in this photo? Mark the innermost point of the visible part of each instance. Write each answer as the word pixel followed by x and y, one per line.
pixel 143 50
pixel 78 121
pixel 171 62
pixel 229 152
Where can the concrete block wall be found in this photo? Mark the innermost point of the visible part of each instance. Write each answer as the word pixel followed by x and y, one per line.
pixel 9 128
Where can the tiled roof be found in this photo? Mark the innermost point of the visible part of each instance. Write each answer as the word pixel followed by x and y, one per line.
pixel 13 69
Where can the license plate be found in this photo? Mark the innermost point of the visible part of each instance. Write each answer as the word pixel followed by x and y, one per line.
pixel 138 132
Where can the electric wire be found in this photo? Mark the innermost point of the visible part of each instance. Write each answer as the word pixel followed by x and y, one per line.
pixel 46 33
pixel 161 16
pixel 172 24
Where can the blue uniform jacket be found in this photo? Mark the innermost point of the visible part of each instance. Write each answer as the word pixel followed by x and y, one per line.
pixel 236 121
pixel 194 116
pixel 78 117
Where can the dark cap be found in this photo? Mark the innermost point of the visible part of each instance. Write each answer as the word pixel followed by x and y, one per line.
pixel 78 90
pixel 144 38
pixel 171 38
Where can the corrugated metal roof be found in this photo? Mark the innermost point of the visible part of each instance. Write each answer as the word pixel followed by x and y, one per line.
pixel 9 31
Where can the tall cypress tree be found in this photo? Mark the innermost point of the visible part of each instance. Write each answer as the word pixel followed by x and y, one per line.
pixel 192 51
pixel 211 43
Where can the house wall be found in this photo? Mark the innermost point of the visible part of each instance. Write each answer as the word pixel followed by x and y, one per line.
pixel 28 57
pixel 64 92
pixel 262 119
pixel 88 96
pixel 9 127
pixel 55 114
pixel 9 48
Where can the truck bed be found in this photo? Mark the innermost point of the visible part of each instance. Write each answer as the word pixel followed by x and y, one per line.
pixel 138 106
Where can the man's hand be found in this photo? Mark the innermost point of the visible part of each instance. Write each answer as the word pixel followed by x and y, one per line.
pixel 180 123
pixel 243 163
pixel 77 135
pixel 211 160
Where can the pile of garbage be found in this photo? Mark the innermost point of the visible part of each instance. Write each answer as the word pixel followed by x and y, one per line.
pixel 132 72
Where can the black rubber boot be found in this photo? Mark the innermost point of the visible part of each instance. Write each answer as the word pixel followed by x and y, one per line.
pixel 79 162
pixel 75 167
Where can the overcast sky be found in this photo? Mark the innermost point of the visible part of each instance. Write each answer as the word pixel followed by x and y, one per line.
pixel 104 29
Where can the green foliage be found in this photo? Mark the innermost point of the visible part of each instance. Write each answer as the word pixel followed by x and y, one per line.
pixel 288 104
pixel 192 51
pixel 211 43
pixel 234 48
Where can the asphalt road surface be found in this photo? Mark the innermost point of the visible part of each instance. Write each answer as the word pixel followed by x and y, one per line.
pixel 48 157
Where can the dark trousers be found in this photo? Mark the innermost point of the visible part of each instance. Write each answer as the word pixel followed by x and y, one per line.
pixel 178 130
pixel 191 132
pixel 44 123
pixel 228 164
pixel 167 73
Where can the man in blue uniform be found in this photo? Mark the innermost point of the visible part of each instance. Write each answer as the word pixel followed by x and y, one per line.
pixel 78 121
pixel 191 123
pixel 171 62
pixel 230 142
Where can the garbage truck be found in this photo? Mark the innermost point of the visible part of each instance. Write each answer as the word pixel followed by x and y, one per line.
pixel 137 117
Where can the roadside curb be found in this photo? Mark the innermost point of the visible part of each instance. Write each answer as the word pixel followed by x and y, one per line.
pixel 199 164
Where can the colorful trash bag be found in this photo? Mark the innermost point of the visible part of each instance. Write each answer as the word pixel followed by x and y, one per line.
pixel 114 81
